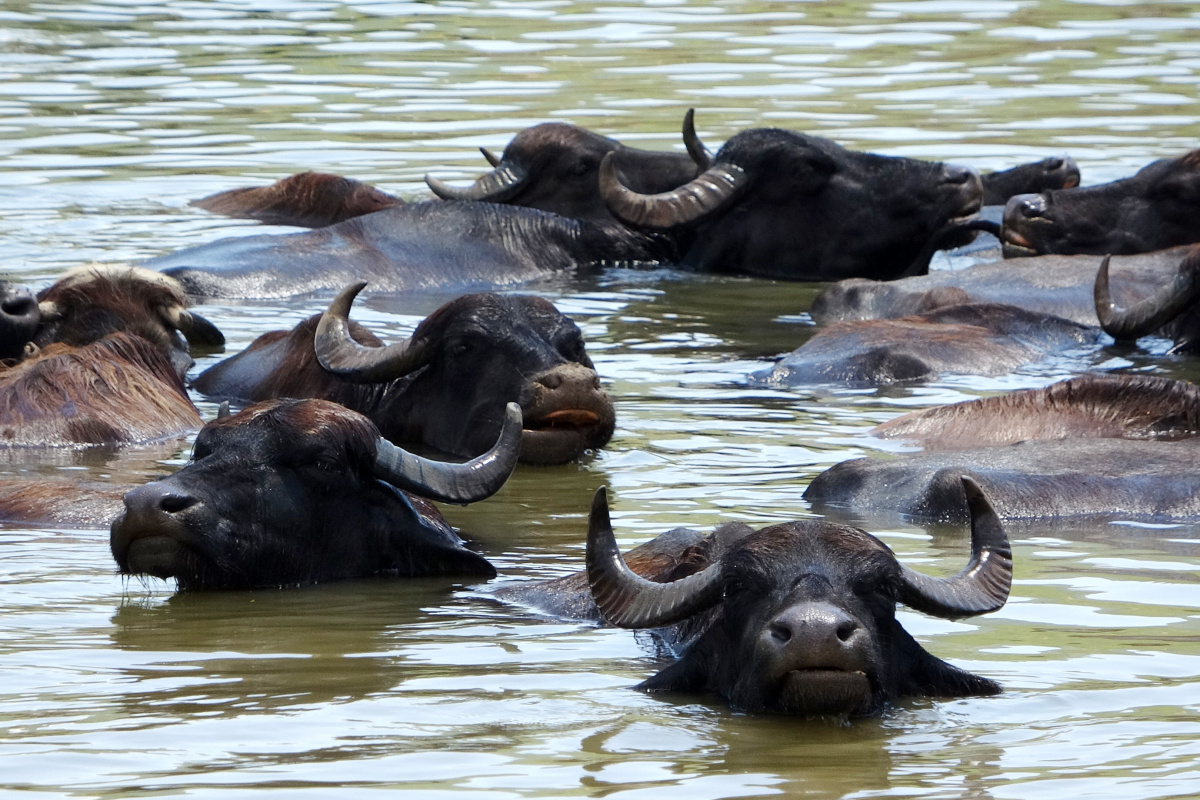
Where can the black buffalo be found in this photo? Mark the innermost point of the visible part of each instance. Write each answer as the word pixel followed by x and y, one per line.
pixel 1154 209
pixel 1123 447
pixel 780 204
pixel 1056 172
pixel 447 385
pixel 1173 310
pixel 555 167
pixel 302 491
pixel 970 338
pixel 797 618
pixel 19 318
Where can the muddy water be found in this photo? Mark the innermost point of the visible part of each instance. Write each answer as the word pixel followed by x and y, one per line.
pixel 114 114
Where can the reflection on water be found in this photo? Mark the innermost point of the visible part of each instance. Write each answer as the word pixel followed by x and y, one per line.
pixel 114 115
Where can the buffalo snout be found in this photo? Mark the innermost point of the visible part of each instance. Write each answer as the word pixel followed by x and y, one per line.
pixel 565 412
pixel 814 636
pixel 148 538
pixel 19 318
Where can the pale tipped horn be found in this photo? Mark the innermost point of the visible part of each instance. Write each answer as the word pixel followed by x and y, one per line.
pixel 696 149
pixel 1149 315
pixel 496 186
pixel 703 195
pixel 468 482
pixel 628 600
pixel 983 585
pixel 337 352
pixel 491 157
pixel 198 331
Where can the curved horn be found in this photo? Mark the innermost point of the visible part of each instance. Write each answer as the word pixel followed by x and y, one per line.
pixel 223 410
pixel 696 149
pixel 981 587
pixel 1155 311
pixel 702 195
pixel 468 482
pixel 337 352
pixel 628 600
pixel 491 157
pixel 497 186
pixel 196 329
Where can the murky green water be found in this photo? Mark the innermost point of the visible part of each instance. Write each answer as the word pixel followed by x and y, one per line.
pixel 114 114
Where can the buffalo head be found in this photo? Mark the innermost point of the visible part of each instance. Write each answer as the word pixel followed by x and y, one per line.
pixel 1056 172
pixel 90 302
pixel 19 318
pixel 555 166
pixel 449 382
pixel 302 491
pixel 1175 307
pixel 1154 209
pixel 799 618
pixel 786 205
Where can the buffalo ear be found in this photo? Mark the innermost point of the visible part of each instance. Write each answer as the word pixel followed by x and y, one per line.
pixel 920 674
pixel 685 675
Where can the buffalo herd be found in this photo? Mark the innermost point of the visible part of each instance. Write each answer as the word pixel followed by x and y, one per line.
pixel 315 476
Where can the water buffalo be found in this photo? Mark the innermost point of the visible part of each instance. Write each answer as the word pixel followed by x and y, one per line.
pixel 555 167
pixel 1172 310
pixel 1154 209
pixel 90 302
pixel 409 247
pixel 1123 446
pixel 301 491
pixel 119 390
pixel 1057 172
pixel 1052 284
pixel 1091 406
pixel 19 318
pixel 59 503
pixel 446 386
pixel 780 204
pixel 796 618
pixel 971 338
pixel 306 200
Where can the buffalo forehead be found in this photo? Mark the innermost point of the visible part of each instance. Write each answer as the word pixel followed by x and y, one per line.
pixel 784 550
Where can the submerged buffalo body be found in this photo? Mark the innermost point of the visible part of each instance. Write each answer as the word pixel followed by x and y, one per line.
pixel 306 200
pixel 787 205
pixel 407 248
pixel 104 363
pixel 447 386
pixel 1094 446
pixel 1154 209
pixel 973 339
pixel 303 491
pixel 1058 285
pixel 797 618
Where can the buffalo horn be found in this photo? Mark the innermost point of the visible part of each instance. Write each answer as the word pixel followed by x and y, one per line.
pixel 704 194
pixel 196 329
pixel 337 352
pixel 468 482
pixel 981 587
pixel 696 149
pixel 628 600
pixel 497 186
pixel 491 157
pixel 1152 313
pixel 223 410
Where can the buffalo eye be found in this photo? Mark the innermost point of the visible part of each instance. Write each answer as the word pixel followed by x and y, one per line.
pixel 582 167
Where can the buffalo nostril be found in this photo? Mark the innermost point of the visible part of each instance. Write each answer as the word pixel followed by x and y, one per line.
pixel 174 503
pixel 1054 164
pixel 595 381
pixel 1033 207
pixel 846 629
pixel 958 175
pixel 18 306
pixel 780 633
pixel 551 380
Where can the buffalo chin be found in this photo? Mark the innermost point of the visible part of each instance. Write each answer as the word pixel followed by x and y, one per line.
pixel 550 446
pixel 159 556
pixel 823 693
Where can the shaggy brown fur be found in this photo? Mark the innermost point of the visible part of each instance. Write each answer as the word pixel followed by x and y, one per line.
pixel 307 200
pixel 1091 406
pixel 119 390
